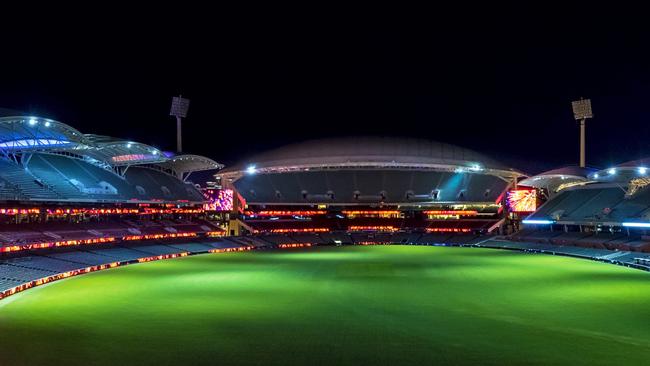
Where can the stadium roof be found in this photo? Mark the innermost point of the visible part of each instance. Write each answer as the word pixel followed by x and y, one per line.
pixel 624 172
pixel 119 152
pixel 552 179
pixel 371 152
pixel 645 162
pixel 19 133
pixel 190 163
pixel 23 133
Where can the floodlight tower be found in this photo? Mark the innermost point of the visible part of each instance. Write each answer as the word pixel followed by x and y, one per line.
pixel 179 109
pixel 582 111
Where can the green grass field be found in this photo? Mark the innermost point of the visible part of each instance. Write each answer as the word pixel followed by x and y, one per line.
pixel 382 305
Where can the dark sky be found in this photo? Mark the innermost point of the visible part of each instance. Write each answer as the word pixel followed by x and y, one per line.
pixel 495 85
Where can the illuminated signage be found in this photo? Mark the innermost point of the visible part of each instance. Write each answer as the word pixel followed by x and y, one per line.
pixel 219 200
pixel 522 200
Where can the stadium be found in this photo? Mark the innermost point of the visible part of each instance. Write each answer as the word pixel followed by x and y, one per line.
pixel 357 250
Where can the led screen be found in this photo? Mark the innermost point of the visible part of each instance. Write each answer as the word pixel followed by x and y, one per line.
pixel 522 200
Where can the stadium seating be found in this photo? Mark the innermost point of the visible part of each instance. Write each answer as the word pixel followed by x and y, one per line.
pixel 25 268
pixel 600 202
pixel 51 177
pixel 341 186
pixel 24 182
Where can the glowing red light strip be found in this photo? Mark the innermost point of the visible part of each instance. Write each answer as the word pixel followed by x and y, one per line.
pixel 16 248
pixel 372 228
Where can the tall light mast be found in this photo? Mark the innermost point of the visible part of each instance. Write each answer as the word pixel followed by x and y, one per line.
pixel 582 111
pixel 179 109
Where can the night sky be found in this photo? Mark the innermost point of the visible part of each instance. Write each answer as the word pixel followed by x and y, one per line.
pixel 501 88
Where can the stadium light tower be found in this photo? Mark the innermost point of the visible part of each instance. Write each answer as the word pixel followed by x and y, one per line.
pixel 179 109
pixel 582 111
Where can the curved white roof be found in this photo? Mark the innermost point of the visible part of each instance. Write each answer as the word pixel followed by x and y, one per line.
pixel 370 152
pixel 554 178
pixel 190 163
pixel 118 152
pixel 19 133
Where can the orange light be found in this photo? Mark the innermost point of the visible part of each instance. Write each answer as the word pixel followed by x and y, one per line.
pixel 19 211
pixel 373 228
pixel 15 248
pixel 303 230
pixel 294 245
pixel 158 236
pixel 366 213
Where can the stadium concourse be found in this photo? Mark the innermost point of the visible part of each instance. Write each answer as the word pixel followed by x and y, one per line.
pixel 73 203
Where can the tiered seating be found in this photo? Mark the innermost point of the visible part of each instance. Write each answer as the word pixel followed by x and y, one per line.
pixel 307 238
pixel 158 249
pixel 221 243
pixel 61 178
pixel 7 283
pixel 119 254
pixel 264 188
pixel 334 237
pixel 25 182
pixel 192 247
pixel 81 257
pixel 44 264
pixel 30 267
pixel 160 186
pixel 44 170
pixel 8 191
pixel 596 203
pixel 433 238
pixel 16 273
pixel 593 208
pixel 569 238
pixel 278 239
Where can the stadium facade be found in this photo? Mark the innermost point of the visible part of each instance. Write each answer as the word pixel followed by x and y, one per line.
pixel 370 170
pixel 48 161
pixel 409 183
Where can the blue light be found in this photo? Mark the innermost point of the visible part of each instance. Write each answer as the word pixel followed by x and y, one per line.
pixel 637 224
pixel 251 169
pixel 33 122
pixel 642 170
pixel 596 176
pixel 611 171
pixel 27 143
pixel 47 123
pixel 537 222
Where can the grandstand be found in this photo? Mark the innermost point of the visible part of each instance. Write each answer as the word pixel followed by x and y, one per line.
pixel 362 171
pixel 48 161
pixel 369 184
pixel 609 209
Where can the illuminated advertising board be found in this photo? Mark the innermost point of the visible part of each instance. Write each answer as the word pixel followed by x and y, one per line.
pixel 219 200
pixel 522 200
